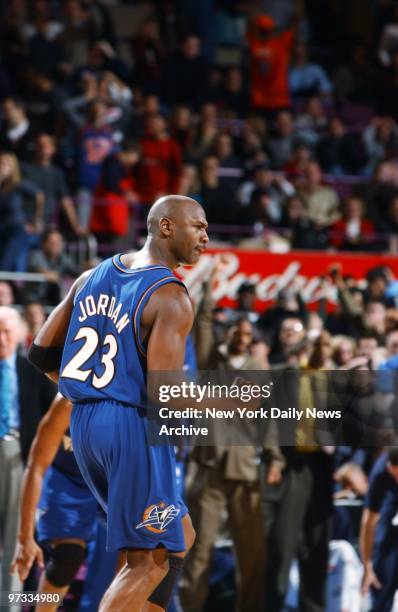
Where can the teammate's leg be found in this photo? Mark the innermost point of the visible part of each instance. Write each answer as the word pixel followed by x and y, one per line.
pixel 131 587
pixel 161 597
pixel 64 559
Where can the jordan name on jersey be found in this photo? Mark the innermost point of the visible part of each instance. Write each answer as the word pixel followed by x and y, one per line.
pixel 104 305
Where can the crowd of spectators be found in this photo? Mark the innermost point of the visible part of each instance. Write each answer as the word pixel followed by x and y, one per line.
pixel 270 125
pixel 280 118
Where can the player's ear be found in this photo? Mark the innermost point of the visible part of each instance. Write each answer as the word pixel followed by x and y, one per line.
pixel 166 226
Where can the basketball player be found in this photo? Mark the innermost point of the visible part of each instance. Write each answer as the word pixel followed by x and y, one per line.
pixel 67 511
pixel 127 317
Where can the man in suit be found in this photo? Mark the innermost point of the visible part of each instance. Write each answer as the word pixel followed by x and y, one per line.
pixel 25 395
pixel 227 478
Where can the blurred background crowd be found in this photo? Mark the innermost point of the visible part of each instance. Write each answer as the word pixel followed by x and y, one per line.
pixel 281 118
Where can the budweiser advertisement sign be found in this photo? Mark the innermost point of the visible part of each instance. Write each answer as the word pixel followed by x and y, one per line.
pixel 307 272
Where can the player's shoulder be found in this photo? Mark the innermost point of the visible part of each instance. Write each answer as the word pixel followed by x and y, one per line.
pixel 170 301
pixel 172 294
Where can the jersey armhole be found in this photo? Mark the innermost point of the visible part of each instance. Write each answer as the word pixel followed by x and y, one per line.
pixel 80 289
pixel 136 318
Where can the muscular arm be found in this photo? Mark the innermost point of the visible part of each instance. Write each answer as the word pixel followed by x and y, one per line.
pixel 169 318
pixel 54 330
pixel 367 534
pixel 366 541
pixel 44 448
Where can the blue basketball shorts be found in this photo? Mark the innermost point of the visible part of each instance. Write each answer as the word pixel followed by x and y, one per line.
pixel 135 483
pixel 66 509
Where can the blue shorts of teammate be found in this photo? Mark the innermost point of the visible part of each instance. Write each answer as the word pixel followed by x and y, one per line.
pixel 66 509
pixel 135 483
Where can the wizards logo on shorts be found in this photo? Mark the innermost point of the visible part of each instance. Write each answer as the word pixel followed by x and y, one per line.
pixel 157 516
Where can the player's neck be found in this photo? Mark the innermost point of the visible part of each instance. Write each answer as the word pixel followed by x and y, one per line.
pixel 152 253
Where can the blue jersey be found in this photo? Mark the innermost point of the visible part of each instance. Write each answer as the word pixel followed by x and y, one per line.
pixel 104 357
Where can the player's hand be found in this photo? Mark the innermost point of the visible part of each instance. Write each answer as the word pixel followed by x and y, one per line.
pixel 369 580
pixel 25 556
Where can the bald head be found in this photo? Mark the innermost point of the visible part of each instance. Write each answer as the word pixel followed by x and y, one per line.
pixel 173 207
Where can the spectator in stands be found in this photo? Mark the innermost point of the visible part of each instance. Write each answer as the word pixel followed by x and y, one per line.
pixel 17 133
pixel 34 316
pixel 295 166
pixel 382 189
pixel 7 294
pixel 354 79
pixel 160 169
pixel 50 179
pixel 305 78
pixel 353 232
pixel 102 20
pixel 287 304
pixel 381 138
pixel 108 90
pixel 18 229
pixel 94 144
pixel 389 37
pixel 216 198
pixel 367 344
pixel 377 279
pixel 263 178
pixel 45 55
pixel 115 193
pixel 189 183
pixel 291 334
pixel 259 350
pixel 370 319
pixel 205 133
pixel 250 144
pixel 149 55
pixel 224 150
pixel 185 75
pixel 343 350
pixel 51 261
pixel 77 36
pixel 298 228
pixel 311 123
pixel 388 224
pixel 263 209
pixel 233 97
pixel 102 59
pixel 387 88
pixel 341 152
pixel 269 61
pixel 322 202
pixel 246 295
pixel 181 129
pixel 282 142
pixel 41 22
pixel 25 395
